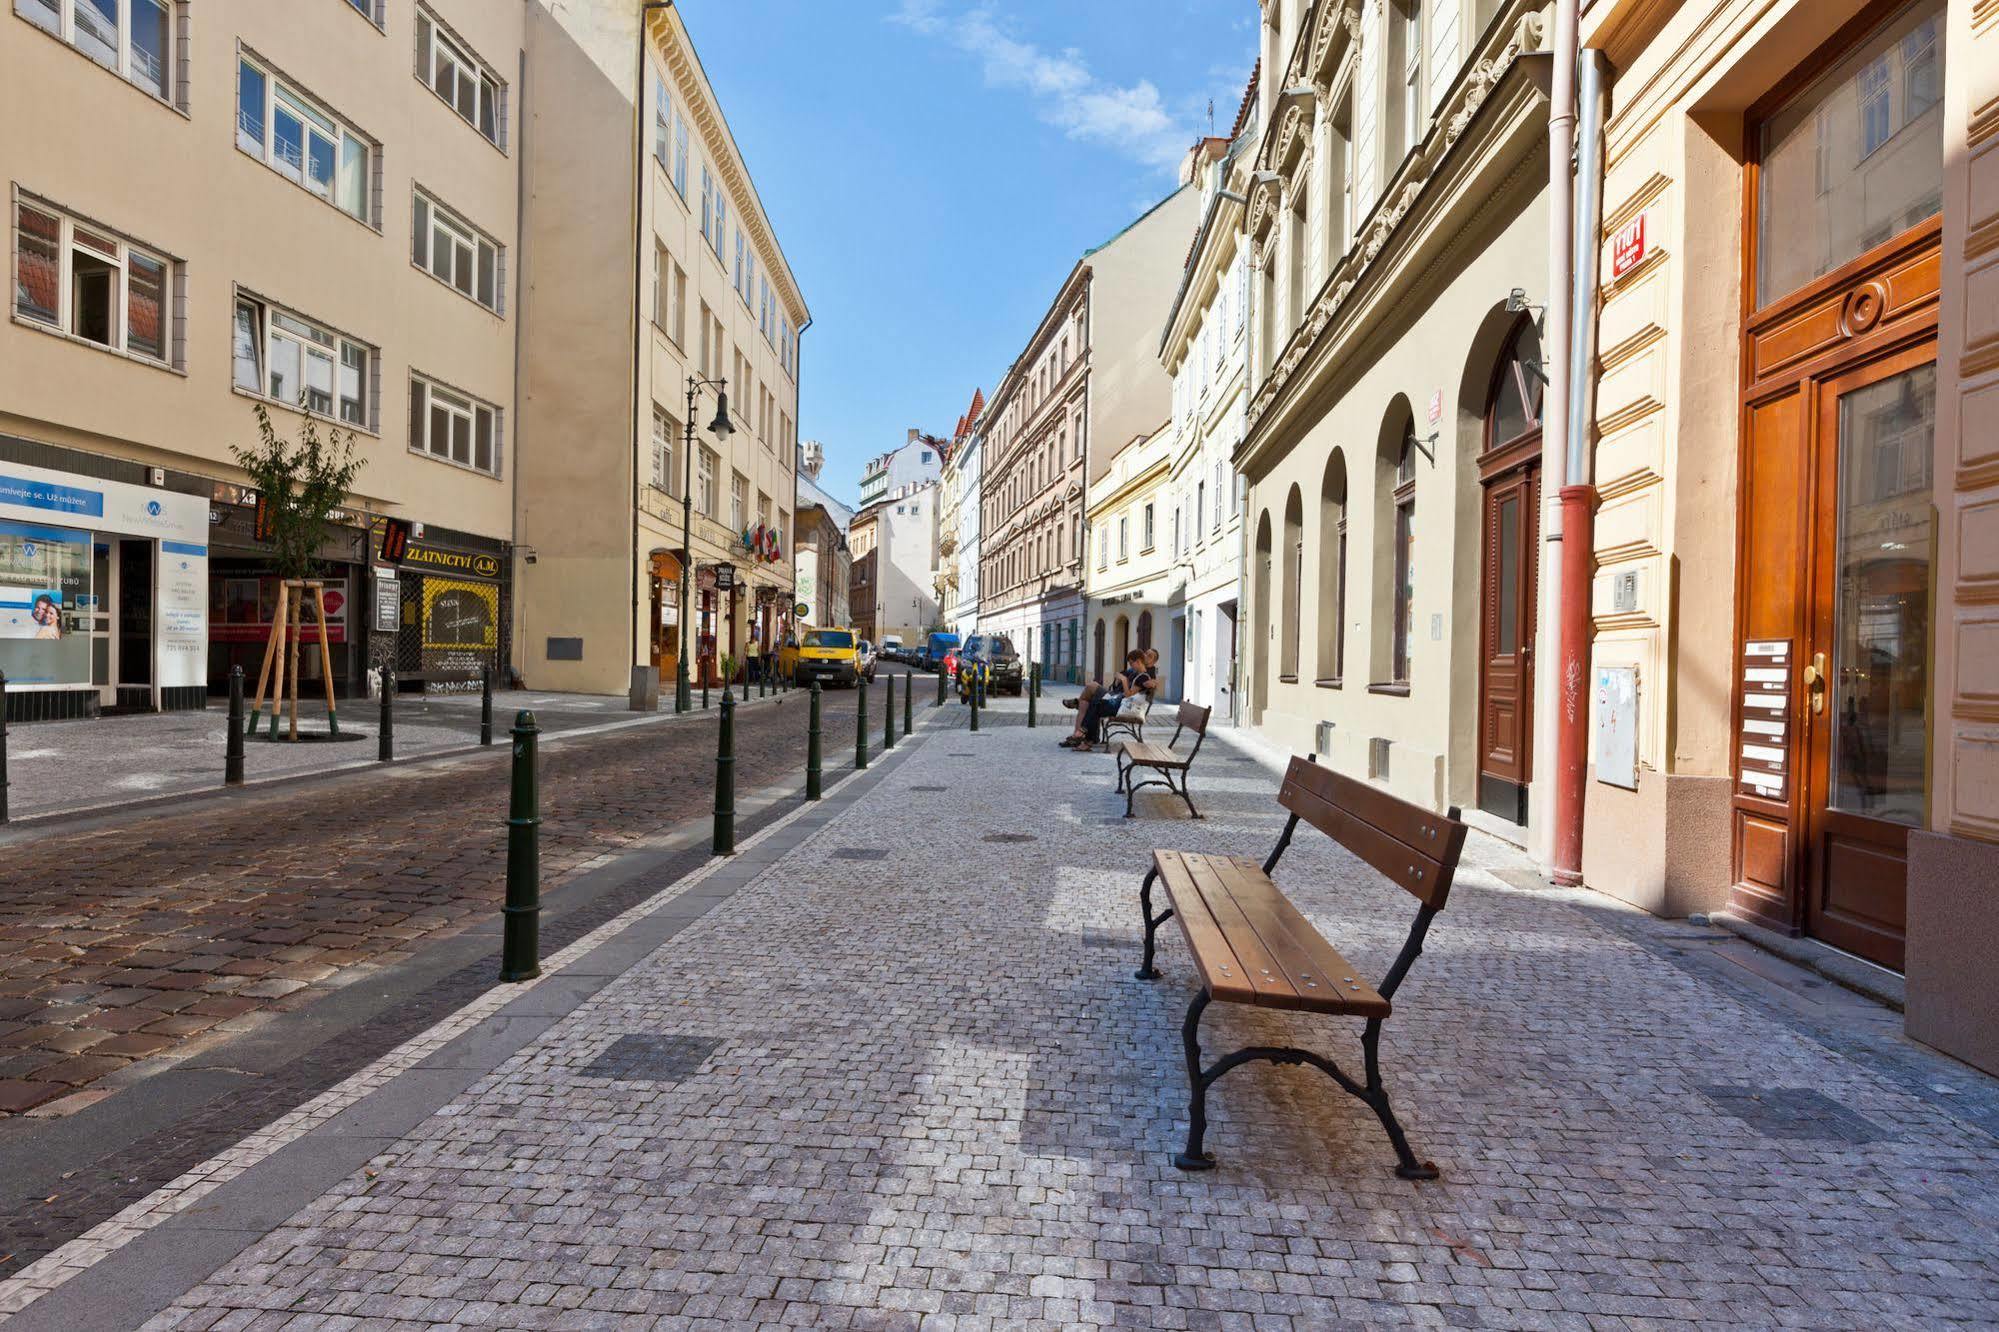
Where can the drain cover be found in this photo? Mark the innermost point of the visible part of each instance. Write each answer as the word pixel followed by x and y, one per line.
pixel 929 788
pixel 860 853
pixel 652 1058
pixel 1093 937
pixel 966 754
pixel 1009 837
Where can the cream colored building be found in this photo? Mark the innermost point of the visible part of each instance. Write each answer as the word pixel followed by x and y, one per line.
pixel 1395 198
pixel 615 331
pixel 1205 347
pixel 1795 424
pixel 1128 577
pixel 234 203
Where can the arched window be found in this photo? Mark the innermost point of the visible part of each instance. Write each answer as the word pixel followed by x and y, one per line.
pixel 1333 570
pixel 1515 410
pixel 1099 672
pixel 1394 546
pixel 1260 609
pixel 1294 584
pixel 1144 629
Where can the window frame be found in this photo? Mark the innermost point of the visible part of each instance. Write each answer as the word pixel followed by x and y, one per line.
pixel 266 325
pixel 437 215
pixel 121 255
pixel 491 91
pixel 175 94
pixel 318 118
pixel 424 392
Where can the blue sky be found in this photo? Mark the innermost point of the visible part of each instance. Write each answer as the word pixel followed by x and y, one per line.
pixel 934 167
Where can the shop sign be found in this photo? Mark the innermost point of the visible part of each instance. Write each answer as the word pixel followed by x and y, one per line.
pixel 1627 247
pixel 725 577
pixel 1436 406
pixel 388 602
pixel 458 563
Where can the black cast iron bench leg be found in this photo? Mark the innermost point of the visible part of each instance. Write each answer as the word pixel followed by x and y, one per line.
pixel 1197 1089
pixel 1152 923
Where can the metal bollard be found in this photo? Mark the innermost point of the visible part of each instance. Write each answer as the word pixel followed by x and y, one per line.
pixel 486 704
pixel 385 746
pixel 1033 680
pixel 979 678
pixel 940 689
pixel 812 759
pixel 725 777
pixel 888 718
pixel 704 691
pixel 861 724
pixel 232 751
pixel 520 946
pixel 908 693
pixel 972 697
pixel 3 746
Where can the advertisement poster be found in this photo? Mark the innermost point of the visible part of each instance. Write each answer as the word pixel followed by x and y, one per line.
pixel 31 612
pixel 180 641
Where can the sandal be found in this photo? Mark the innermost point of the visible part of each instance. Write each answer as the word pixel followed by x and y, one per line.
pixel 1069 703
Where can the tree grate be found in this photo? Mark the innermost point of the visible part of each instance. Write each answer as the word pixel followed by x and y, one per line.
pixel 652 1058
pixel 1794 1112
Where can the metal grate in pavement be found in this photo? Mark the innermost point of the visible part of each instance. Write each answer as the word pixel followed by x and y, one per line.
pixel 859 853
pixel 929 788
pixel 1009 837
pixel 1095 937
pixel 652 1058
pixel 1793 1112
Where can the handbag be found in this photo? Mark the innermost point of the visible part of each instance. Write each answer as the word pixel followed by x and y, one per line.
pixel 1132 708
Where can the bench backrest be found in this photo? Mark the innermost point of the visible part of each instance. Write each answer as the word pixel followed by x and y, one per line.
pixel 1191 717
pixel 1412 846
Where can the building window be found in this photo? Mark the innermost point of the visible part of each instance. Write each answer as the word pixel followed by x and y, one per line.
pixel 293 361
pixel 665 434
pixel 302 141
pixel 454 252
pixel 680 153
pixel 1123 537
pixel 707 206
pixel 1146 529
pixel 131 38
pixel 448 68
pixel 1333 569
pixel 1339 188
pixel 370 10
pixel 721 220
pixel 1404 591
pixel 708 466
pixel 79 279
pixel 1295 242
pixel 739 501
pixel 454 427
pixel 1405 74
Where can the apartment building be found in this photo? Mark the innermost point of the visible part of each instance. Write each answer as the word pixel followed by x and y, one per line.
pixel 961 614
pixel 917 459
pixel 823 563
pixel 1205 348
pixel 1087 378
pixel 1128 582
pixel 363 273
pixel 627 318
pixel 895 564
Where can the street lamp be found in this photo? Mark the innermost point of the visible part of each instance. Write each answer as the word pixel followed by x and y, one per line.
pixel 683 694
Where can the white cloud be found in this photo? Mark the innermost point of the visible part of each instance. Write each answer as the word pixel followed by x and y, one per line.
pixel 1131 120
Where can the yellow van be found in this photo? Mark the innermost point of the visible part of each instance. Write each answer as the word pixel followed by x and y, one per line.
pixel 828 655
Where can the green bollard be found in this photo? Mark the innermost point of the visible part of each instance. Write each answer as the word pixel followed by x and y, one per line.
pixel 521 944
pixel 486 704
pixel 940 689
pixel 888 718
pixel 385 734
pixel 908 693
pixel 725 777
pixel 812 760
pixel 232 750
pixel 861 724
pixel 3 747
pixel 972 697
pixel 1031 692
pixel 979 678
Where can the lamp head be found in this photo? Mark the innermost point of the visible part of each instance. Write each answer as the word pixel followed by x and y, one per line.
pixel 720 425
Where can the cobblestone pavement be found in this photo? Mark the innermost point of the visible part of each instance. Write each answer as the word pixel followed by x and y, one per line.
pixel 905 1078
pixel 125 942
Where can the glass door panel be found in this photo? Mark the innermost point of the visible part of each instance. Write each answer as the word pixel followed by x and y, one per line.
pixel 1879 670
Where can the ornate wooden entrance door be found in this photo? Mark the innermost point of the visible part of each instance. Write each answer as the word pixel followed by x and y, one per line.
pixel 1511 469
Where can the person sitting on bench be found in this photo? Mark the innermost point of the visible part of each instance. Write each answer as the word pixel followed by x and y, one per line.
pixel 1092 690
pixel 1134 679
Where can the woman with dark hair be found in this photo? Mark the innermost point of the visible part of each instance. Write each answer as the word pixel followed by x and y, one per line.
pixel 1134 679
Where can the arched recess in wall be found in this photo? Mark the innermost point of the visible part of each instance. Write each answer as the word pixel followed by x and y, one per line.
pixel 1393 614
pixel 1331 665
pixel 1098 652
pixel 1144 629
pixel 1123 642
pixel 1260 664
pixel 1290 629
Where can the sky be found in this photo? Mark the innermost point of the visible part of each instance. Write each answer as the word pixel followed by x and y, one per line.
pixel 934 168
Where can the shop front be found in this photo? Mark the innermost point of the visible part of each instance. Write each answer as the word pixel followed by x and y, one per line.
pixel 243 599
pixel 449 591
pixel 665 619
pixel 103 594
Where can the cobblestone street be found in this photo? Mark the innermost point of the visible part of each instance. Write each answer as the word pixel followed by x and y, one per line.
pixel 890 1068
pixel 143 934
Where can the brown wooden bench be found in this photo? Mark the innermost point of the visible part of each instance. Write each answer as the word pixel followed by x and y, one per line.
pixel 1131 727
pixel 1163 760
pixel 1252 946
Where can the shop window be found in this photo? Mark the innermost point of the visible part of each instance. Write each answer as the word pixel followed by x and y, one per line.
pixel 131 38
pixel 45 581
pixel 457 254
pixel 445 64
pixel 79 279
pixel 454 427
pixel 1854 159
pixel 302 141
pixel 296 362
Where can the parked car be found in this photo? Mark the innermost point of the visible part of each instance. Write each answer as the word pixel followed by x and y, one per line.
pixel 937 649
pixel 831 656
pixel 996 653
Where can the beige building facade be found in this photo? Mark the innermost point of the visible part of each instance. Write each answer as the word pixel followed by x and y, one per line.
pixel 364 271
pixel 677 244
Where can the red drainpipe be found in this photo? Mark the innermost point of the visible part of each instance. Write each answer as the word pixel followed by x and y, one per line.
pixel 1572 682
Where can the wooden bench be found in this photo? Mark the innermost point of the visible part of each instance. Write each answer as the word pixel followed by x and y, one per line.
pixel 1169 765
pixel 1252 946
pixel 1132 727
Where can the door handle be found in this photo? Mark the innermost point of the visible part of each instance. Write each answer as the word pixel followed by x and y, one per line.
pixel 1815 681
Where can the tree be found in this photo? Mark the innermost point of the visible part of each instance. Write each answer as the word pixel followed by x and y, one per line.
pixel 300 485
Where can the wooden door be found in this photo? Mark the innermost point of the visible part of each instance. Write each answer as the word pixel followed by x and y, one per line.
pixel 1865 666
pixel 1506 637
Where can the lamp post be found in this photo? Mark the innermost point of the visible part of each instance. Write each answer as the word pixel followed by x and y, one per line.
pixel 683 695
